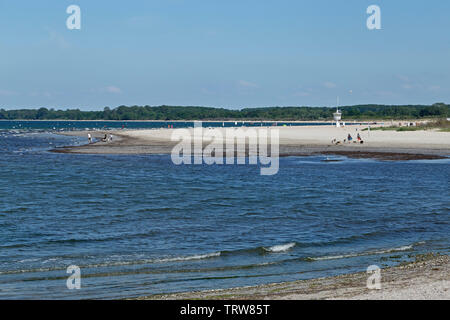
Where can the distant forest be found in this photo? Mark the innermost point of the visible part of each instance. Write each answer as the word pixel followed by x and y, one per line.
pixel 359 112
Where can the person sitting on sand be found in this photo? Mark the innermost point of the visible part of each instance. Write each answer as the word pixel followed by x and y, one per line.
pixel 349 138
pixel 105 138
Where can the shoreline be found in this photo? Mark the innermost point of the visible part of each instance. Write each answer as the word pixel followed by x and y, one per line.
pixel 350 122
pixel 294 141
pixel 427 278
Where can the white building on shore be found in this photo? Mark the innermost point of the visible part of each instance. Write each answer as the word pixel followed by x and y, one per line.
pixel 337 116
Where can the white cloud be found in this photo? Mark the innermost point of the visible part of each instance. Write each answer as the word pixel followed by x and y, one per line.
pixel 7 93
pixel 434 88
pixel 59 39
pixel 206 91
pixel 108 89
pixel 247 84
pixel 113 89
pixel 403 78
pixel 43 94
pixel 302 94
pixel 329 85
pixel 386 94
pixel 407 86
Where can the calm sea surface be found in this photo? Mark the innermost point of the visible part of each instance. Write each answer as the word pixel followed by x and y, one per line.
pixel 139 225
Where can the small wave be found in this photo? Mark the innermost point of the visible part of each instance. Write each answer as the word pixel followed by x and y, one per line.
pixel 404 248
pixel 366 253
pixel 188 258
pixel 281 247
pixel 29 270
pixel 28 260
pixel 259 250
pixel 50 260
pixel 115 263
pixel 158 260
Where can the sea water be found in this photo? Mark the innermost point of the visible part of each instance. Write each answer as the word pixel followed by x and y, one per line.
pixel 139 225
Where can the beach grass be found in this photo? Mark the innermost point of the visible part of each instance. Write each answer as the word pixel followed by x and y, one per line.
pixel 440 125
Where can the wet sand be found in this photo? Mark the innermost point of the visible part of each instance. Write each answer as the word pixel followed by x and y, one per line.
pixel 428 278
pixel 294 141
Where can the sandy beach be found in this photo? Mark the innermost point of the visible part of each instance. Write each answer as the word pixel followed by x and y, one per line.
pixel 301 140
pixel 427 278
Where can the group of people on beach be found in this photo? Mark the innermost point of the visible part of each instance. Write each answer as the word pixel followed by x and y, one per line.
pixel 349 139
pixel 106 138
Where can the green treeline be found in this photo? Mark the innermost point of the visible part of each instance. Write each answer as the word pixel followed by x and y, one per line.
pixel 359 112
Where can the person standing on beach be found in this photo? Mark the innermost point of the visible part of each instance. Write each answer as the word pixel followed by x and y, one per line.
pixel 89 138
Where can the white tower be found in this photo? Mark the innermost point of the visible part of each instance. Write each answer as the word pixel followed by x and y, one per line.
pixel 337 116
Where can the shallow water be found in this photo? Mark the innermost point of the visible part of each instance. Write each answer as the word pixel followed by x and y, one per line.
pixel 139 225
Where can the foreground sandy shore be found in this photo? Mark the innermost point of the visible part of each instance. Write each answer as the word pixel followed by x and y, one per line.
pixel 292 141
pixel 427 278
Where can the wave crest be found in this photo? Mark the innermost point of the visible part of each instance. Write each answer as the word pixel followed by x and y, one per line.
pixel 280 247
pixel 366 253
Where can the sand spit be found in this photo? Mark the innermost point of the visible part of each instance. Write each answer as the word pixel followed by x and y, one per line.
pixel 293 141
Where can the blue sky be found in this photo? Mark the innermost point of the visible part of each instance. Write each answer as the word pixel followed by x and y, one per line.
pixel 229 53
